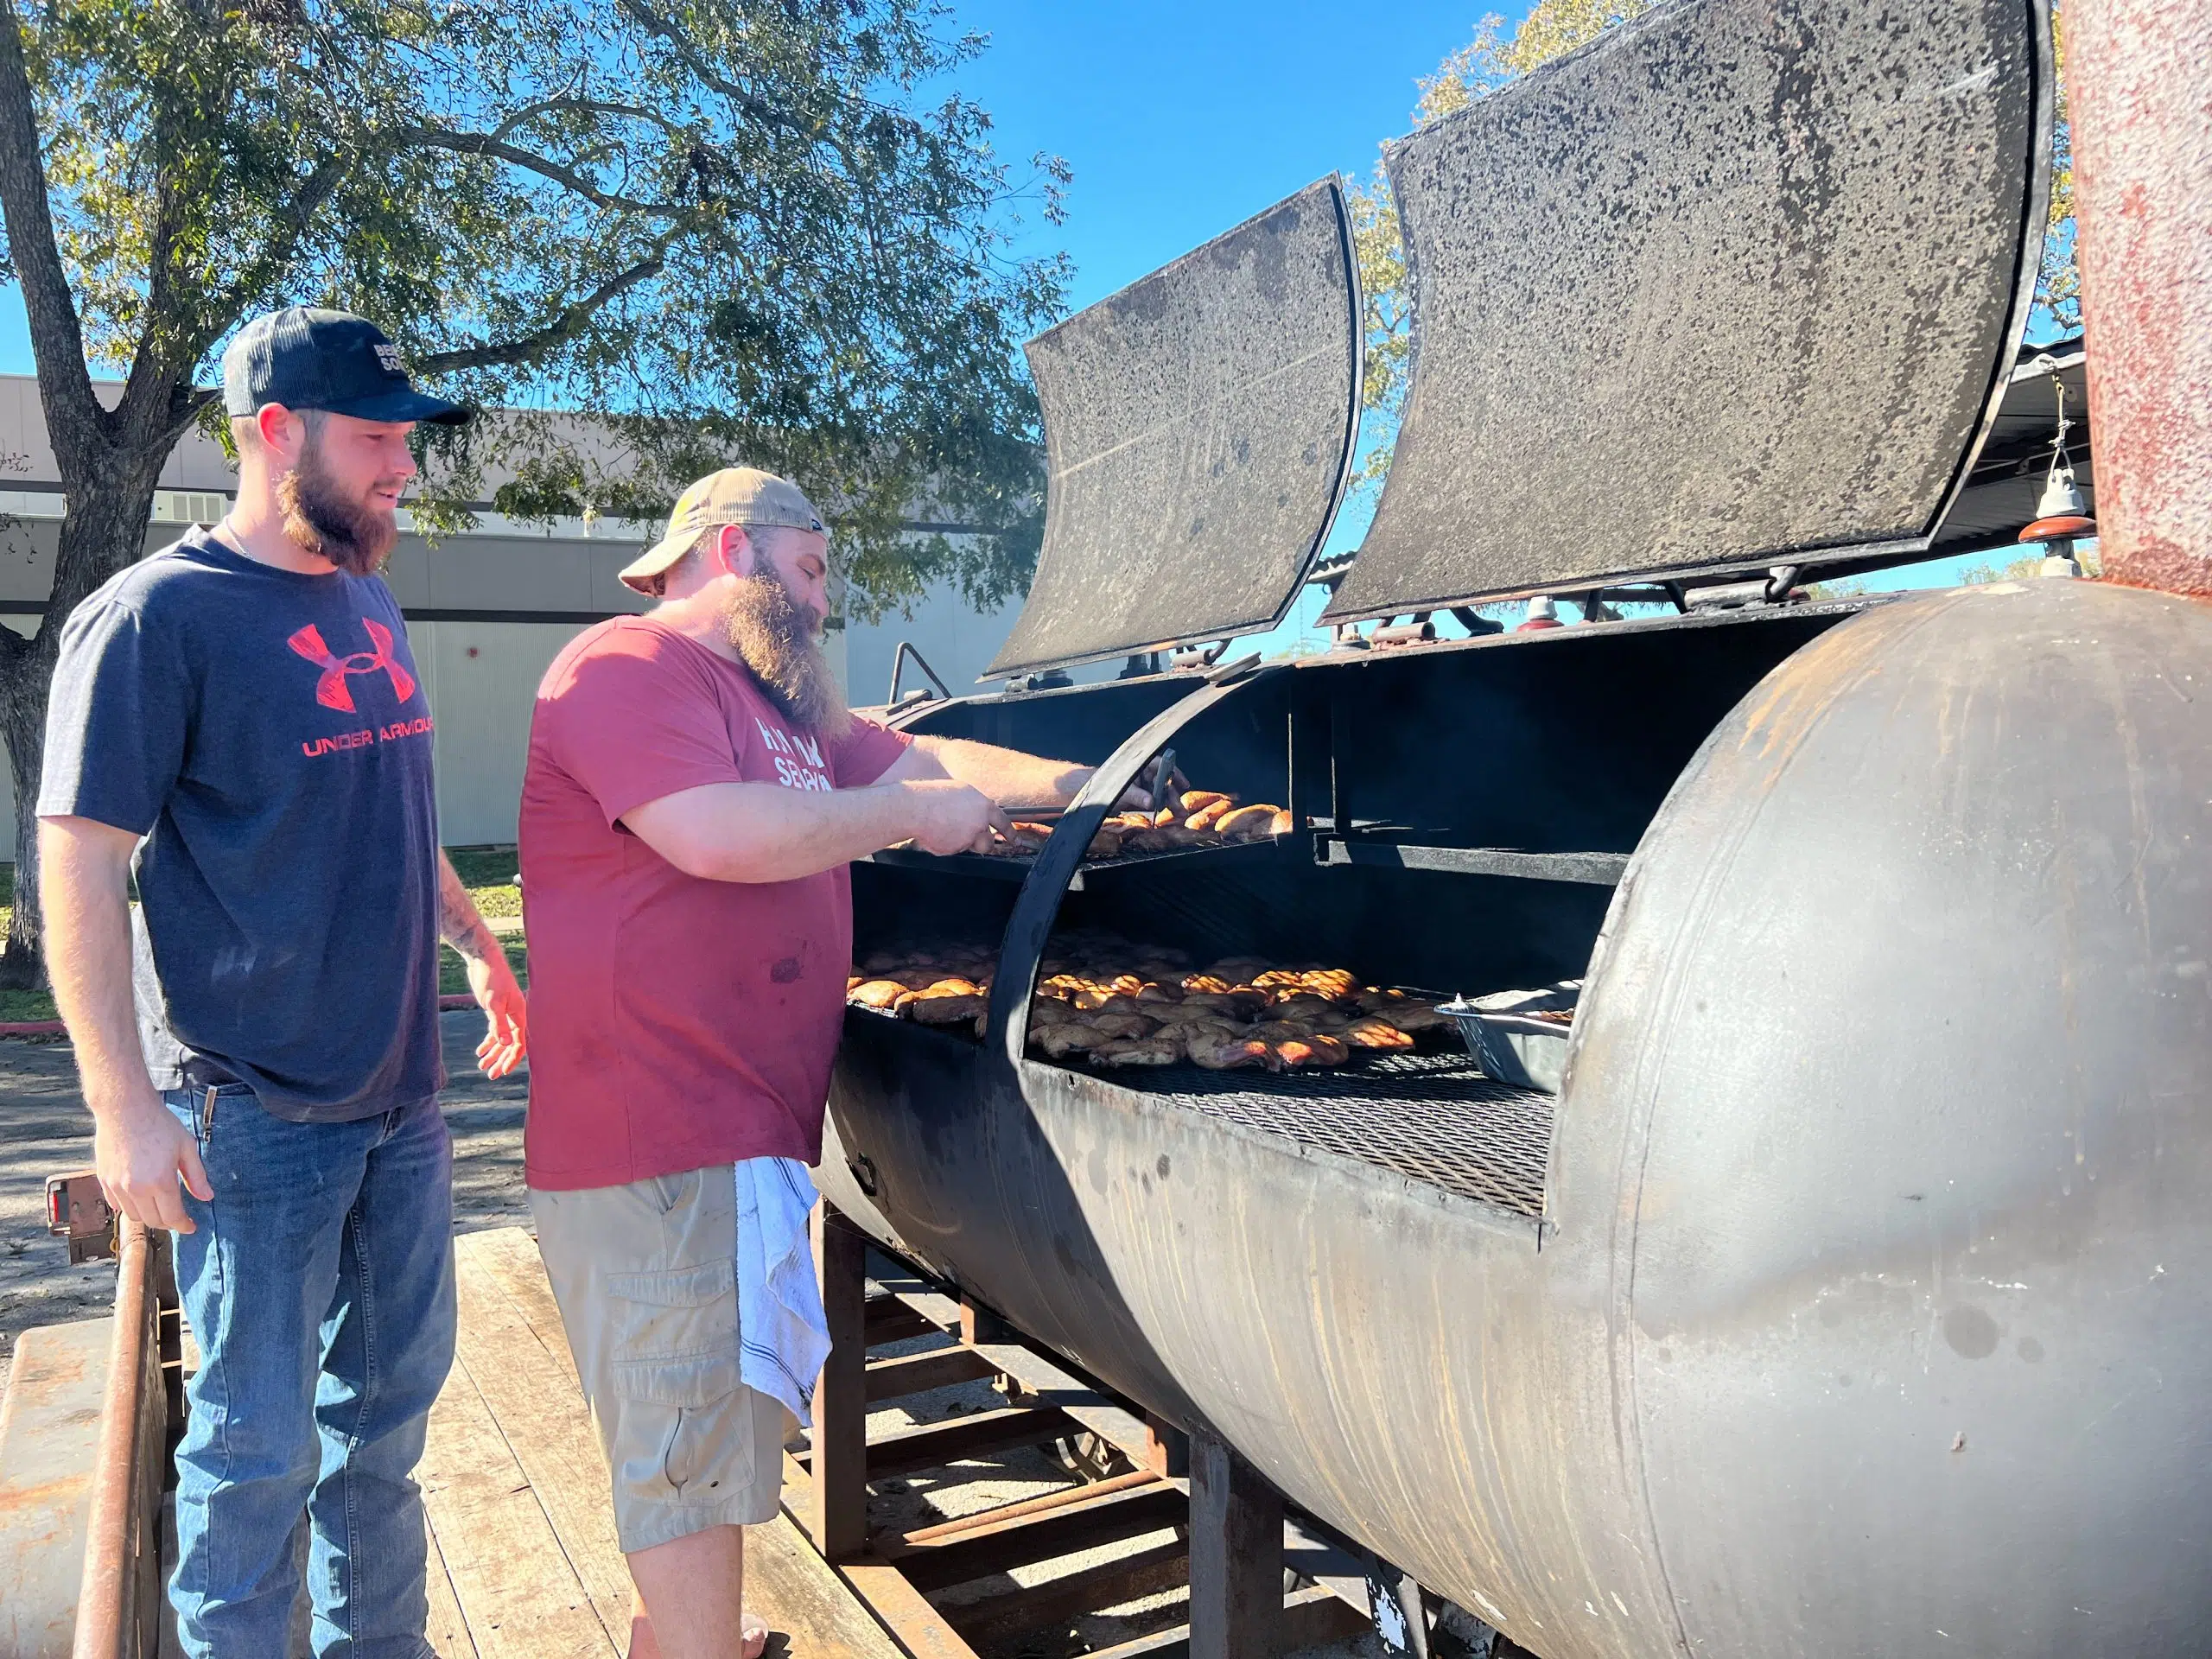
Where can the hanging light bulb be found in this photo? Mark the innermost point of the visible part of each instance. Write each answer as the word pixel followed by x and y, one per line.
pixel 1542 614
pixel 2062 516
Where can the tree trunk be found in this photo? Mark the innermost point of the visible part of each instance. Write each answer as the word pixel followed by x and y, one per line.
pixel 23 725
pixel 99 536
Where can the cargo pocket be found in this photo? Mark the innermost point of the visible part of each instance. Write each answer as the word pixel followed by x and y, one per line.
pixel 676 1341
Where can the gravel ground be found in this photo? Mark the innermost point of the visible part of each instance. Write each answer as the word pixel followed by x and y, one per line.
pixel 44 1130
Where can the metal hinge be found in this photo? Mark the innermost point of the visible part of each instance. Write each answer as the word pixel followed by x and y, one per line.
pixel 76 1210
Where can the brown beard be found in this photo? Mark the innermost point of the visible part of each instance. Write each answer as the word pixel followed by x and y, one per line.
pixel 776 637
pixel 352 535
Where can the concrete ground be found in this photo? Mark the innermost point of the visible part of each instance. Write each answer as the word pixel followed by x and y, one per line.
pixel 44 1130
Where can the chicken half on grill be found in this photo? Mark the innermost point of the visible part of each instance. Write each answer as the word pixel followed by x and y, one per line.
pixel 1113 1004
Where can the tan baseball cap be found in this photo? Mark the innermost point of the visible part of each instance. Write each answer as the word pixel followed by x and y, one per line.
pixel 736 495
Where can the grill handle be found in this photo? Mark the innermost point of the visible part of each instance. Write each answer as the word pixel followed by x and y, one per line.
pixel 1037 905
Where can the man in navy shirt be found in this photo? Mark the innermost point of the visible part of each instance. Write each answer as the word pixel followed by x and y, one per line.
pixel 238 721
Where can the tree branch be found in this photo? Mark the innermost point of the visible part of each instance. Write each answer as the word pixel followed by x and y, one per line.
pixel 184 410
pixel 483 144
pixel 530 112
pixel 751 102
pixel 529 348
pixel 292 221
pixel 152 394
pixel 77 424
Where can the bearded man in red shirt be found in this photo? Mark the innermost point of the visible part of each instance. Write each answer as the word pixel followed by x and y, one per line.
pixel 695 790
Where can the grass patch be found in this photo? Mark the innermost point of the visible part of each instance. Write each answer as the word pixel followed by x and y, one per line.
pixel 488 873
pixel 27 1005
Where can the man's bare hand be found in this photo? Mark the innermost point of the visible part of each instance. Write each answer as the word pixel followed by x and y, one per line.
pixel 141 1152
pixel 951 817
pixel 507 1010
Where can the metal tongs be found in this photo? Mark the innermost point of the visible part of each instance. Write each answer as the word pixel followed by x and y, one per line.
pixel 1163 781
pixel 1163 794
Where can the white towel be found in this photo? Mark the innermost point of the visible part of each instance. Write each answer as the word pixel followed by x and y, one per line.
pixel 782 1334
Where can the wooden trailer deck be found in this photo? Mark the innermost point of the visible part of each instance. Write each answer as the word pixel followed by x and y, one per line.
pixel 524 1558
pixel 524 1563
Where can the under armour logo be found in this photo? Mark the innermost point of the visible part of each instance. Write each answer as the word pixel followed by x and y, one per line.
pixel 331 690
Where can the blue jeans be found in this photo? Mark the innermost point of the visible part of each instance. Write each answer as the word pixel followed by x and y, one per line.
pixel 320 1288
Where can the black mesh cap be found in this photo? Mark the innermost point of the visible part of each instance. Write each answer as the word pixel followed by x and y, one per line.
pixel 304 357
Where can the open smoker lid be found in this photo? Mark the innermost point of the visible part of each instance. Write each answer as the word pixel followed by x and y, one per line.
pixel 1198 430
pixel 1737 285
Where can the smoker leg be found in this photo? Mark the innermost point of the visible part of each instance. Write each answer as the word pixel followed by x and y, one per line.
pixel 1167 1448
pixel 1235 1556
pixel 979 1324
pixel 840 1437
pixel 1401 1610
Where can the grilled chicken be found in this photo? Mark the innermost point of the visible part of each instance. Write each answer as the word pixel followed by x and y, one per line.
pixel 1139 1051
pixel 882 995
pixel 1246 823
pixel 1375 1032
pixel 1197 817
pixel 1165 838
pixel 1334 983
pixel 1227 1051
pixel 1124 1004
pixel 1290 1053
pixel 1060 1041
pixel 944 1007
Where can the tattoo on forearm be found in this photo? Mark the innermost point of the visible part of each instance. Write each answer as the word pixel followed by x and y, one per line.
pixel 459 925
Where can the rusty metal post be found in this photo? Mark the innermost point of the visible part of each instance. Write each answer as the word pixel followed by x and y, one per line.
pixel 2143 211
pixel 118 1608
pixel 840 1434
pixel 1235 1556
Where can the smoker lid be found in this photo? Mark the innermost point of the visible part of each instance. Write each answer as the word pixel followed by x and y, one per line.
pixel 1198 430
pixel 1737 285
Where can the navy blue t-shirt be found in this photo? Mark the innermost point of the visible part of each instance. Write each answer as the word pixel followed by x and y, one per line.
pixel 268 734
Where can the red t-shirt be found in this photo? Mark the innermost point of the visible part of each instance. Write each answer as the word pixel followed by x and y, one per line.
pixel 674 1022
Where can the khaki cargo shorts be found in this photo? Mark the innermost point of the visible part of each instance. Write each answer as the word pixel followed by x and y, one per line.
pixel 646 1279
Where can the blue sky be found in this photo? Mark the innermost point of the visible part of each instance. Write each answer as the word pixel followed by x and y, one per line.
pixel 1180 119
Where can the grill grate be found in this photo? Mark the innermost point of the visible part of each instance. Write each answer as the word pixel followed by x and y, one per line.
pixel 1432 1117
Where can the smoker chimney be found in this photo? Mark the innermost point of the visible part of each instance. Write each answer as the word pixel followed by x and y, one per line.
pixel 2142 195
